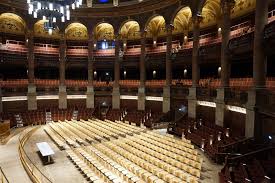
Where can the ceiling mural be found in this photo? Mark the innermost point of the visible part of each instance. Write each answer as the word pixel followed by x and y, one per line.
pixel 130 30
pixel 104 31
pixel 76 31
pixel 243 7
pixel 39 31
pixel 12 23
pixel 211 13
pixel 156 27
pixel 182 20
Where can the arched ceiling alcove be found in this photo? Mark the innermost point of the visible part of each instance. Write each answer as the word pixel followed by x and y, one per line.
pixel 156 26
pixel 39 30
pixel 104 31
pixel 76 31
pixel 12 24
pixel 182 20
pixel 130 30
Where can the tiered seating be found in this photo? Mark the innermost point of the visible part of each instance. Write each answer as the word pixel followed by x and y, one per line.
pixel 129 83
pixel 152 119
pixel 208 136
pixel 239 84
pixel 155 83
pixel 131 129
pixel 56 138
pixel 114 114
pixel 80 163
pixel 255 168
pixel 136 117
pixel 140 157
pixel 106 126
pixel 112 165
pixel 67 114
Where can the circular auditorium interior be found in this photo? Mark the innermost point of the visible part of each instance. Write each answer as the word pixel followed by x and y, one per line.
pixel 137 91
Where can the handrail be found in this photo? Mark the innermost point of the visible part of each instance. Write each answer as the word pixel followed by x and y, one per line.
pixel 233 143
pixel 234 159
pixel 3 178
pixel 34 173
pixel 4 135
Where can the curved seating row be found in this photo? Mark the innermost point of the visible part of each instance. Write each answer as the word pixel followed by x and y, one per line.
pixel 129 157
pixel 235 83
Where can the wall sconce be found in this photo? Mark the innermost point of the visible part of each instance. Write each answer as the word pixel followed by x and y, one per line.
pixel 219 71
pixel 115 2
pixel 94 46
pixel 185 73
pixel 219 31
pixel 185 40
pixel 124 74
pixel 154 43
pixel 202 143
pixel 95 74
pixel 154 74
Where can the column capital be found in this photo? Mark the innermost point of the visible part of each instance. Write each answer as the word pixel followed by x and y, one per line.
pixel 196 19
pixel 169 28
pixel 62 38
pixel 227 5
pixel 143 33
pixel 29 33
pixel 117 37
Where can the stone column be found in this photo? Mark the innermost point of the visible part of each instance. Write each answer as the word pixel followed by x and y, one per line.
pixel 32 102
pixel 168 64
pixel 141 89
pixel 226 5
pixel 62 68
pixel 90 88
pixel 259 72
pixel 192 97
pixel 116 92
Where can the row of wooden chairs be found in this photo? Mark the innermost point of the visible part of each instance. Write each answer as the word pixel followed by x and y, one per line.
pixel 134 168
pixel 168 156
pixel 235 83
pixel 84 167
pixel 56 138
pixel 161 160
pixel 166 174
pixel 103 172
pixel 108 162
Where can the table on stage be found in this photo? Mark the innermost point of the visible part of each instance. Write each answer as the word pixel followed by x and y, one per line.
pixel 45 150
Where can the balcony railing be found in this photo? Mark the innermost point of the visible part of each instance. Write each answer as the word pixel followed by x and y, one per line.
pixel 236 97
pixel 206 39
pixel 206 93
